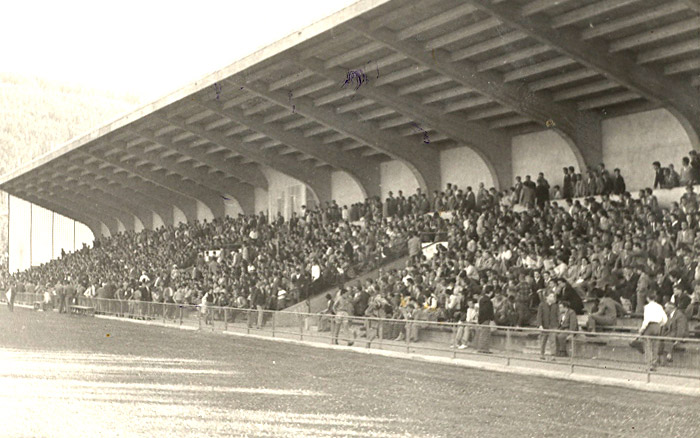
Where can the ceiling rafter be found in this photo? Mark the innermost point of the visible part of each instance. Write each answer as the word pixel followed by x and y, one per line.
pixel 680 99
pixel 317 179
pixel 363 170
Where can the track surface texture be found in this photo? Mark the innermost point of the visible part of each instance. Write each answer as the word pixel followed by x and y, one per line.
pixel 72 376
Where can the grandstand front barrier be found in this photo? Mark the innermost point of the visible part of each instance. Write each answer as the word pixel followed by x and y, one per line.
pixel 508 345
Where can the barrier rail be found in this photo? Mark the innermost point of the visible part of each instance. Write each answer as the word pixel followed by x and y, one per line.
pixel 509 345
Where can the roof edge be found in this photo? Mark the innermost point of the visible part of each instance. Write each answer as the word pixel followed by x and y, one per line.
pixel 297 37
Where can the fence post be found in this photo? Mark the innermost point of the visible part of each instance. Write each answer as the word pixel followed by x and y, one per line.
pixel 302 322
pixel 333 324
pixel 225 319
pixel 408 336
pixel 274 318
pixel 180 315
pixel 573 351
pixel 508 345
pixel 248 322
pixel 165 310
pixel 455 330
pixel 199 316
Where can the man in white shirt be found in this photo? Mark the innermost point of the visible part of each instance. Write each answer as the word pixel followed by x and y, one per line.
pixel 654 318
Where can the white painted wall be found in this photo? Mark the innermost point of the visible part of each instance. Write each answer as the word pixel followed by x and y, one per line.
pixel 231 207
pixel 203 212
pixel 63 235
pixel 463 167
pixel 83 235
pixel 635 141
pixel 178 216
pixel 157 221
pixel 138 225
pixel 261 201
pixel 42 235
pixel 395 176
pixel 344 189
pixel 285 194
pixel 544 151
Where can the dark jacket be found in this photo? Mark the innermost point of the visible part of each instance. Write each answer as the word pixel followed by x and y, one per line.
pixel 569 322
pixel 548 315
pixel 485 310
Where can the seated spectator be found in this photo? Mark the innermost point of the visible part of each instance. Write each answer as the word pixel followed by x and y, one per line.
pixel 606 314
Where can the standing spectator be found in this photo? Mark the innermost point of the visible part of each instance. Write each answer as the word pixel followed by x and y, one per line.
pixel 465 329
pixel 527 194
pixel 654 318
pixel 568 322
pixel 676 327
pixel 685 176
pixel 541 191
pixel 343 309
pixel 695 167
pixel 567 190
pixel 257 302
pixel 11 298
pixel 547 319
pixel 658 174
pixel 619 187
pixel 484 319
pixel 414 245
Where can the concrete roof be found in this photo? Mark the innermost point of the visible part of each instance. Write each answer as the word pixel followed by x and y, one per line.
pixel 381 79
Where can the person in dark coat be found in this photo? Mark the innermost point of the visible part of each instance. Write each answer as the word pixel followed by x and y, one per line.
pixel 567 189
pixel 547 319
pixel 568 322
pixel 658 175
pixel 484 319
pixel 619 186
pixel 541 191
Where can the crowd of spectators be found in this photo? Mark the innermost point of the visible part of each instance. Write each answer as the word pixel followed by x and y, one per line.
pixel 257 263
pixel 505 258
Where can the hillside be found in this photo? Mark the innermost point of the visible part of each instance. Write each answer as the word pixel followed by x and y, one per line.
pixel 38 115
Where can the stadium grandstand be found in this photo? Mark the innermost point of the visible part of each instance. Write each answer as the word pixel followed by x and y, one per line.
pixel 512 163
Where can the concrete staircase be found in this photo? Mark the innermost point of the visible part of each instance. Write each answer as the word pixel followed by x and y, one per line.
pixel 318 302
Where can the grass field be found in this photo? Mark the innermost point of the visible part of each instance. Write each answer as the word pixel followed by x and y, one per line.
pixel 70 376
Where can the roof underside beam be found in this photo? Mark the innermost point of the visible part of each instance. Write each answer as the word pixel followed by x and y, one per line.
pixel 317 179
pixel 493 147
pixel 171 183
pixel 136 197
pixel 247 173
pixel 364 171
pixel 681 99
pixel 148 189
pixel 421 161
pixel 83 213
pixel 564 118
pixel 84 197
pixel 121 207
pixel 244 193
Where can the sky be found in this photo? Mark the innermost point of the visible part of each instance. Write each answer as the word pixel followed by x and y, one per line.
pixel 145 48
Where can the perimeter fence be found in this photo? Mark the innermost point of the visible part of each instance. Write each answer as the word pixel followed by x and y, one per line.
pixel 575 351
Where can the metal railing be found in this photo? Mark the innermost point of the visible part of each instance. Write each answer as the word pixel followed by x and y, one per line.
pixel 577 351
